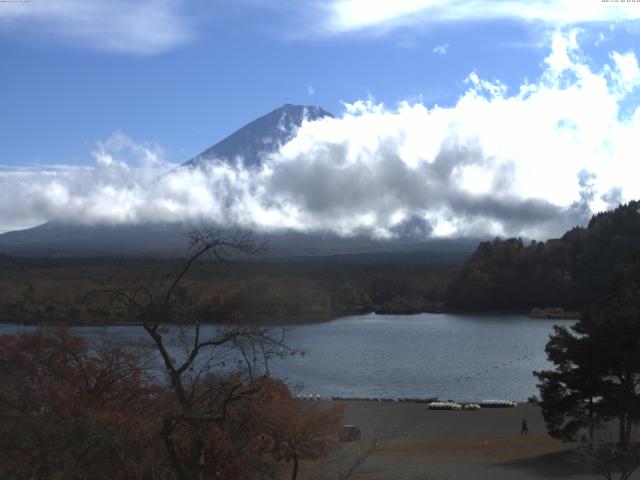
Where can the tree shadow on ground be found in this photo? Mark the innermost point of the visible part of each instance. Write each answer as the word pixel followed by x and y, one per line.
pixel 565 464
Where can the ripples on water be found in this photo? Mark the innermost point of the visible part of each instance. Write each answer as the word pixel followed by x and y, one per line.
pixel 450 356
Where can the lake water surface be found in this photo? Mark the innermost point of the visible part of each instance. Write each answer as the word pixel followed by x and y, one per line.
pixel 460 357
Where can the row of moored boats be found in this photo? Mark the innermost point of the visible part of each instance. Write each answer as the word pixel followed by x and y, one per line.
pixel 472 406
pixel 433 403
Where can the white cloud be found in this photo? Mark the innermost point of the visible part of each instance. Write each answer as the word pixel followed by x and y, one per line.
pixel 138 27
pixel 310 90
pixel 532 163
pixel 354 15
pixel 441 49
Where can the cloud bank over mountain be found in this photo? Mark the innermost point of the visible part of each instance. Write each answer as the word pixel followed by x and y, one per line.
pixel 530 161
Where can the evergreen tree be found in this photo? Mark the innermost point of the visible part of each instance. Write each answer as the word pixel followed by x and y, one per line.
pixel 597 365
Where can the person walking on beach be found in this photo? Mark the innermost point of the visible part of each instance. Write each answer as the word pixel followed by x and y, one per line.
pixel 525 428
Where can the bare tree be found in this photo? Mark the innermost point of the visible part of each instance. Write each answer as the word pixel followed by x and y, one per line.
pixel 611 460
pixel 351 460
pixel 214 370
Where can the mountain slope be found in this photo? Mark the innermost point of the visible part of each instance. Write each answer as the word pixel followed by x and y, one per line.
pixel 60 239
pixel 262 136
pixel 252 142
pixel 57 239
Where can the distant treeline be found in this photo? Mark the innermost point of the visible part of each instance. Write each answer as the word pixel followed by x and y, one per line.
pixel 571 272
pixel 71 290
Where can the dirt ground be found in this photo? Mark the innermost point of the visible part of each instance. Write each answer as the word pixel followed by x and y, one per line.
pixel 457 445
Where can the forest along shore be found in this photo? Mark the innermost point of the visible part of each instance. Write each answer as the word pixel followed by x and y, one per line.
pixel 68 291
pixel 554 279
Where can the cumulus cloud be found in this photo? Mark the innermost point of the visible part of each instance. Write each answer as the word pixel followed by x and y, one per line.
pixel 354 15
pixel 140 27
pixel 531 162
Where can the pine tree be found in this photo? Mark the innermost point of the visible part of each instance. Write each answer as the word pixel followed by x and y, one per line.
pixel 597 365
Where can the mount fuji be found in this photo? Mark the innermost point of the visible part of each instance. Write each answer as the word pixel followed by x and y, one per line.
pixel 252 143
pixel 261 137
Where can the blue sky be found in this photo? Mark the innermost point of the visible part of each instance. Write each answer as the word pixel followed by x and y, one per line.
pixel 178 76
pixel 59 94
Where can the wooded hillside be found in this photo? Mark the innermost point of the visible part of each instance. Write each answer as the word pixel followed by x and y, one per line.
pixel 570 272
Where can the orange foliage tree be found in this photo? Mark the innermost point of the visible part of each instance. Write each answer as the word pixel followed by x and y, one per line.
pixel 74 411
pixel 296 430
pixel 69 411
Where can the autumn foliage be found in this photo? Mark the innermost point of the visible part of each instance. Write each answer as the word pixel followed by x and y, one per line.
pixel 296 430
pixel 71 410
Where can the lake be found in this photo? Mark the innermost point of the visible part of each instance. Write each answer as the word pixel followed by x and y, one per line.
pixel 459 357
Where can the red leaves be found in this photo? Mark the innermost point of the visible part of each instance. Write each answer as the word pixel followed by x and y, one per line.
pixel 73 411
pixel 68 409
pixel 296 429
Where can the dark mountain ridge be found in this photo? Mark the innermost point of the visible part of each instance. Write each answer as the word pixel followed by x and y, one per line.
pixel 170 240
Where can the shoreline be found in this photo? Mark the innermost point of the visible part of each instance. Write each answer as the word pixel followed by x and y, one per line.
pixel 280 322
pixel 303 320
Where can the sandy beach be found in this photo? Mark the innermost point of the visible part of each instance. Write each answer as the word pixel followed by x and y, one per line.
pixel 453 445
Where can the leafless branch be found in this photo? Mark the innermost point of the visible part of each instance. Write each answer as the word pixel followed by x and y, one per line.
pixel 347 463
pixel 609 460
